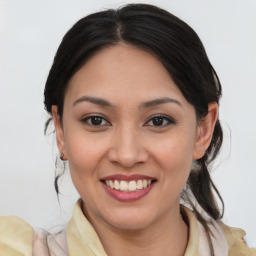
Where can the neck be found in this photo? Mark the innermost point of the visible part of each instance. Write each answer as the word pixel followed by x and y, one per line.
pixel 168 236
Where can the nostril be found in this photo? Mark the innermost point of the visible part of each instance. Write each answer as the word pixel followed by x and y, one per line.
pixel 127 157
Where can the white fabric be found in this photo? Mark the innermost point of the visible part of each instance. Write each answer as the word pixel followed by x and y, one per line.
pixel 50 245
pixel 56 245
pixel 219 242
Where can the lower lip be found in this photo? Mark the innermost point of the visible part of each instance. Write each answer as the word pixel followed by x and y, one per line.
pixel 127 196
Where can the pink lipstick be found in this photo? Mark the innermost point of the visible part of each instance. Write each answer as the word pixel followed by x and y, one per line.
pixel 128 188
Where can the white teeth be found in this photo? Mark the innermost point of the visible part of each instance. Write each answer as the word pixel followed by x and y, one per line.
pixel 123 185
pixel 111 184
pixel 126 186
pixel 139 184
pixel 132 185
pixel 116 185
pixel 145 183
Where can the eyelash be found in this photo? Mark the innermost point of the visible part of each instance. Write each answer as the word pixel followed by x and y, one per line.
pixel 165 119
pixel 86 120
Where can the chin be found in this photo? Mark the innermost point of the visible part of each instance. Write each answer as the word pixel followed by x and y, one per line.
pixel 129 219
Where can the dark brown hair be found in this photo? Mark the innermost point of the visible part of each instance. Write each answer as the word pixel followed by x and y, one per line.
pixel 178 48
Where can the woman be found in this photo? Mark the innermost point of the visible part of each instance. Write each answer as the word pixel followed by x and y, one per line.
pixel 134 100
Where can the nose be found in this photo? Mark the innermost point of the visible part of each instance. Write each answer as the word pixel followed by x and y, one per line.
pixel 127 148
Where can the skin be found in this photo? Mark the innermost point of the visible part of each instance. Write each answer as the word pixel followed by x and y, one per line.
pixel 127 141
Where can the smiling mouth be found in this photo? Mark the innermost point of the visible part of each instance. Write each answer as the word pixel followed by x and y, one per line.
pixel 128 186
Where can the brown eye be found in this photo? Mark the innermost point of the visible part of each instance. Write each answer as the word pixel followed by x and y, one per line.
pixel 160 121
pixel 157 121
pixel 95 121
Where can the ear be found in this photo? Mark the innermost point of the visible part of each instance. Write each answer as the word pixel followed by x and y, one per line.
pixel 59 132
pixel 205 131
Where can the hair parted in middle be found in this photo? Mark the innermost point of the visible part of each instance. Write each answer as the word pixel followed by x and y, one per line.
pixel 176 46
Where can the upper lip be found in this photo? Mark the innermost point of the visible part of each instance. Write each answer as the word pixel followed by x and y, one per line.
pixel 128 177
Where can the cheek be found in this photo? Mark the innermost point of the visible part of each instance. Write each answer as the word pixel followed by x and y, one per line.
pixel 84 154
pixel 175 151
pixel 175 155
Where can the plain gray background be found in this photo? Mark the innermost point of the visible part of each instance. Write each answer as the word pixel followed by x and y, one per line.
pixel 30 32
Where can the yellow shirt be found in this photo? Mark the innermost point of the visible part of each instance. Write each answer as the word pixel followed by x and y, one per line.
pixel 16 238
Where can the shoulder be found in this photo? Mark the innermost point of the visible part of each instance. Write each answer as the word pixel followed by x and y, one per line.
pixel 16 236
pixel 236 242
pixel 46 244
pixel 225 240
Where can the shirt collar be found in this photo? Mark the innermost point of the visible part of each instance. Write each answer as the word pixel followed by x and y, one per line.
pixel 83 239
pixel 193 238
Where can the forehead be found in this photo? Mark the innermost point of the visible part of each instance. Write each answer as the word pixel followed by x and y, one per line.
pixel 123 71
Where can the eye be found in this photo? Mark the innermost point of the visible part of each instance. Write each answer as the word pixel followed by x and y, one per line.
pixel 95 121
pixel 159 121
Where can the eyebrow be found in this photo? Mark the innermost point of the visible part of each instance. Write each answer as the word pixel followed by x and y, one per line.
pixel 94 100
pixel 159 101
pixel 147 104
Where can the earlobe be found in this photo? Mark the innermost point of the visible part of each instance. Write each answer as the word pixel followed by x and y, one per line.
pixel 59 131
pixel 205 131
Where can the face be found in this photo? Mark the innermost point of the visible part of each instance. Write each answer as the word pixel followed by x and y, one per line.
pixel 130 137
